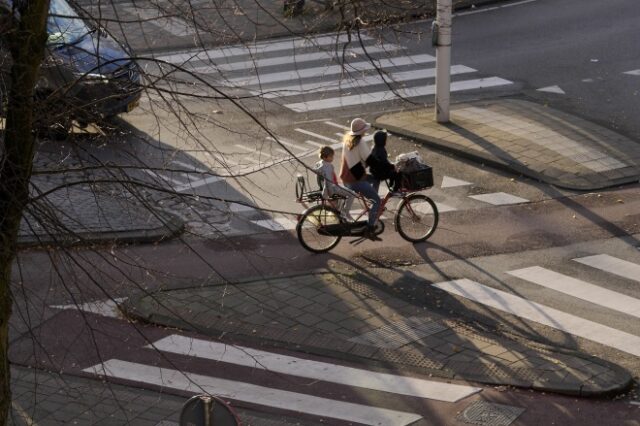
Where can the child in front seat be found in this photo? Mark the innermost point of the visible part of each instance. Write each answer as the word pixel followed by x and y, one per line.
pixel 379 165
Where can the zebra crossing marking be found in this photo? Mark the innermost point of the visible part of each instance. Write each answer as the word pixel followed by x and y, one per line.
pixel 371 80
pixel 449 182
pixel 288 59
pixel 336 125
pixel 499 198
pixel 579 289
pixel 331 70
pixel 258 48
pixel 105 308
pixel 316 135
pixel 612 265
pixel 632 72
pixel 163 177
pixel 542 314
pixel 386 95
pixel 317 370
pixel 255 394
pixel 276 224
pixel 198 183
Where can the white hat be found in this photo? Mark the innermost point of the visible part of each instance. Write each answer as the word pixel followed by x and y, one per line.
pixel 359 126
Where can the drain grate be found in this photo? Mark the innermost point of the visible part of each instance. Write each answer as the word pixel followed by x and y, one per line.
pixel 399 333
pixel 489 414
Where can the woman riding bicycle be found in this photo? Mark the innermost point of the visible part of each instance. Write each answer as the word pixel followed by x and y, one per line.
pixel 355 155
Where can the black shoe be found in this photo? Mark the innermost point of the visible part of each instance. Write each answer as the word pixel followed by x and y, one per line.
pixel 370 233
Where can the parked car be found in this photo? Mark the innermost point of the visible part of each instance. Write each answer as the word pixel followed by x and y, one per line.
pixel 86 74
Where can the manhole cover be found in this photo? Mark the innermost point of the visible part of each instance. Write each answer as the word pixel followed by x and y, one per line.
pixel 489 414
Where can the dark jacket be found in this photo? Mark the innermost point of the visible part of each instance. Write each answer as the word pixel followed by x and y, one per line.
pixel 379 165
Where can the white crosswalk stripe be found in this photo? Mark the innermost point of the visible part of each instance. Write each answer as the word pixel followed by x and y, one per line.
pixel 255 394
pixel 327 72
pixel 616 302
pixel 286 367
pixel 612 265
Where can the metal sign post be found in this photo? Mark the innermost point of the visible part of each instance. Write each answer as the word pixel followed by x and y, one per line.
pixel 442 41
pixel 207 410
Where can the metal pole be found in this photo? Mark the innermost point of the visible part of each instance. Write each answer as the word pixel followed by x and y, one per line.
pixel 443 60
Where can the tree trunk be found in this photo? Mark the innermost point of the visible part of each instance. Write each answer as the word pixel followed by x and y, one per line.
pixel 27 41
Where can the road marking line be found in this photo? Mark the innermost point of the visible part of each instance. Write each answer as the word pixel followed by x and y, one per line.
pixel 105 308
pixel 613 265
pixel 253 152
pixel 163 177
pixel 310 369
pixel 255 394
pixel 198 183
pixel 355 83
pixel 316 144
pixel 633 72
pixel 289 143
pixel 387 95
pixel 26 418
pixel 542 314
pixel 257 64
pixel 499 198
pixel 449 182
pixel 552 89
pixel 191 167
pixel 316 135
pixel 257 48
pixel 443 208
pixel 276 224
pixel 336 125
pixel 326 71
pixel 579 289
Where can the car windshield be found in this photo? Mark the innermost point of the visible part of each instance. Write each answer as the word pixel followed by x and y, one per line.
pixel 64 25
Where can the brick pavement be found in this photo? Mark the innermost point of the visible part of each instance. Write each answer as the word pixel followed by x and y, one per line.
pixel 527 138
pixel 352 317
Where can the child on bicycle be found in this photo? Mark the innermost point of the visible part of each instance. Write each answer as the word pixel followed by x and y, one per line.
pixel 379 165
pixel 329 181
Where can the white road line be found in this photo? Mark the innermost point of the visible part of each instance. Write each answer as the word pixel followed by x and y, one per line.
pixel 387 95
pixel 286 142
pixel 357 82
pixel 190 167
pixel 239 208
pixel 542 314
pixel 253 151
pixel 255 394
pixel 443 208
pixel 105 308
pixel 449 182
pixel 310 369
pixel 579 289
pixel 316 144
pixel 633 72
pixel 326 71
pixel 552 89
pixel 316 135
pixel 198 183
pixel 336 125
pixel 613 265
pixel 499 198
pixel 257 64
pixel 276 224
pixel 163 177
pixel 258 48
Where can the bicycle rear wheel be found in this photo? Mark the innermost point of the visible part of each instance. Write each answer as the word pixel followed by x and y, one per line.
pixel 312 229
pixel 417 218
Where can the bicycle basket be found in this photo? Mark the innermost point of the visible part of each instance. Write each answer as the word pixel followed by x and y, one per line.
pixel 416 180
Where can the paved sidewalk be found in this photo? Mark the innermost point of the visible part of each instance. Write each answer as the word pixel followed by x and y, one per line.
pixel 527 138
pixel 348 315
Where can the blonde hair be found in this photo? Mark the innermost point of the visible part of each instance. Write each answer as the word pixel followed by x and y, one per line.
pixel 350 140
pixel 325 151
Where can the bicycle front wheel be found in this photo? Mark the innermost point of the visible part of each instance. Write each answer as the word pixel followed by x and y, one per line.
pixel 417 218
pixel 314 229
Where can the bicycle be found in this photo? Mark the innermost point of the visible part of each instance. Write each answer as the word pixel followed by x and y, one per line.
pixel 321 226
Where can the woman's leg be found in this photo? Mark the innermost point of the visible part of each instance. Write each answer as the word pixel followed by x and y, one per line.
pixel 365 188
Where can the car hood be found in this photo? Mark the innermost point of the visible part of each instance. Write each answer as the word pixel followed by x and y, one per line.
pixel 94 53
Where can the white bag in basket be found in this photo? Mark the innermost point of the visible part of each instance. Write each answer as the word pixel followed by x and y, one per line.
pixel 409 161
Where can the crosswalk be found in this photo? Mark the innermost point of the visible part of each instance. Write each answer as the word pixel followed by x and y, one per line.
pixel 327 71
pixel 303 143
pixel 620 306
pixel 214 357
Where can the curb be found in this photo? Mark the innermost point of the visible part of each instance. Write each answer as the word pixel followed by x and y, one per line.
pixel 171 227
pixel 495 162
